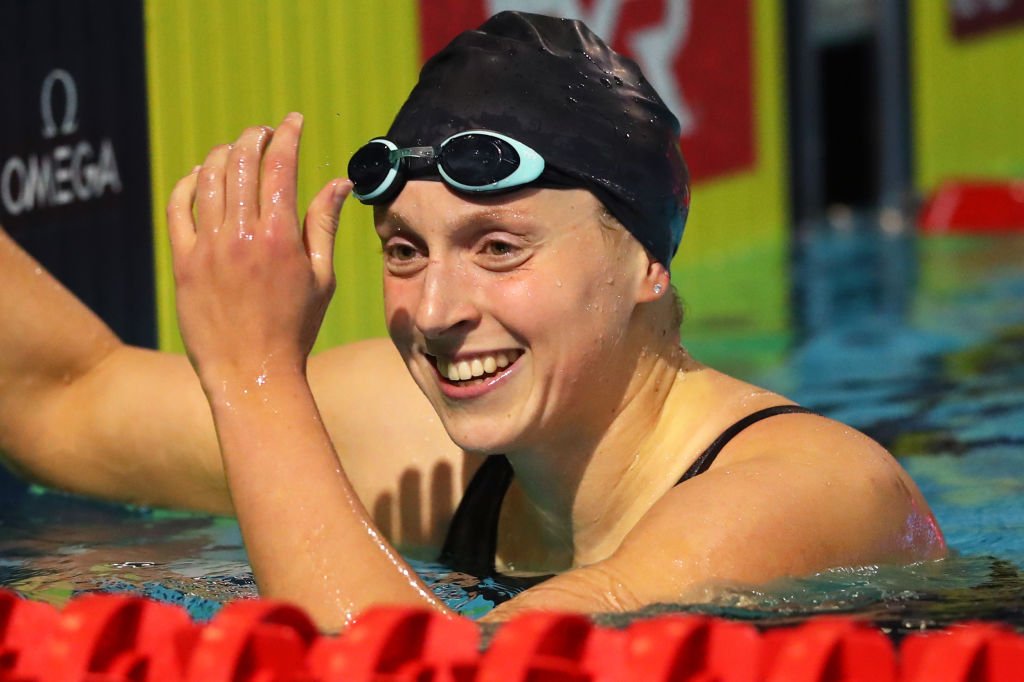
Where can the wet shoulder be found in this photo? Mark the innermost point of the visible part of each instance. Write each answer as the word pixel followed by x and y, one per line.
pixel 836 481
pixel 368 400
pixel 369 378
pixel 729 401
pixel 815 451
pixel 703 405
pixel 393 447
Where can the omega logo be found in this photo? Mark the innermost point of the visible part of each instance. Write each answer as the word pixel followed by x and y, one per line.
pixel 655 47
pixel 69 123
pixel 75 171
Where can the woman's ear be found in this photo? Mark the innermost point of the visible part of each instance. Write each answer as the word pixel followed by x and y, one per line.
pixel 655 283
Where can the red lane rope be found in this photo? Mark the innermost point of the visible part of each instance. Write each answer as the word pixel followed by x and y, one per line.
pixel 119 638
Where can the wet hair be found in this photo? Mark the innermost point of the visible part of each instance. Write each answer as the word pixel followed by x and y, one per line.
pixel 557 87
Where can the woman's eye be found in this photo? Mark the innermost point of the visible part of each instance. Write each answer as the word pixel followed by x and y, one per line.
pixel 501 254
pixel 500 249
pixel 400 252
pixel 402 258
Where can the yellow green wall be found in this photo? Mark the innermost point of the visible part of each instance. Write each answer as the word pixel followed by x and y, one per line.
pixel 732 266
pixel 968 99
pixel 216 67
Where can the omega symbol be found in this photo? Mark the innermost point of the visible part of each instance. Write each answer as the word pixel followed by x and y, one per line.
pixel 69 122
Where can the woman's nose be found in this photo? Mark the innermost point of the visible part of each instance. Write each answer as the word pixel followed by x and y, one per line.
pixel 447 302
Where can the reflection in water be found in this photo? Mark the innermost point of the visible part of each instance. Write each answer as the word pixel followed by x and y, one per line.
pixel 901 600
pixel 55 546
pixel 919 342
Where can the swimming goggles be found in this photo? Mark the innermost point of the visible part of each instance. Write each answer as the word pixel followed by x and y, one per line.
pixel 474 161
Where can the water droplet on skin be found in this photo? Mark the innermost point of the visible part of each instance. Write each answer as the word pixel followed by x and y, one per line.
pixel 573 100
pixel 606 83
pixel 558 283
pixel 618 81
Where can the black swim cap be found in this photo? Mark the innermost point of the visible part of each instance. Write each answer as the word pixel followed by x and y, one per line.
pixel 556 86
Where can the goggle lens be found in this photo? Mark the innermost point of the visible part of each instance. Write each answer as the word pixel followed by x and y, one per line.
pixel 478 160
pixel 369 167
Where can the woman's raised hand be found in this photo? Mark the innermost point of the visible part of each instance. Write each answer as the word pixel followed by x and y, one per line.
pixel 252 284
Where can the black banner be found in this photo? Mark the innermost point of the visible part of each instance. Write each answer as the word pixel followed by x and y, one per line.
pixel 74 152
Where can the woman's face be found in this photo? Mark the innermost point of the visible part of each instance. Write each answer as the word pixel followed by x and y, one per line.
pixel 510 311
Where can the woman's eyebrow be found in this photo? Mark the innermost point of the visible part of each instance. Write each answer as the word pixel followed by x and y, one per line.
pixel 392 222
pixel 492 217
pixel 485 217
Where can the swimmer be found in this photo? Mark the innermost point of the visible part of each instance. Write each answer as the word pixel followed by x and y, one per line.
pixel 533 415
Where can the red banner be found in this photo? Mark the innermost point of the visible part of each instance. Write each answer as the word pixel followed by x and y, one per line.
pixel 968 18
pixel 696 53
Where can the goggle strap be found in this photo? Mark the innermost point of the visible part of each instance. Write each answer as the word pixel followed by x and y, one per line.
pixel 396 155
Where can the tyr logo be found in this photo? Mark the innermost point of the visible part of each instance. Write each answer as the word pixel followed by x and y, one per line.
pixel 698 55
pixel 655 46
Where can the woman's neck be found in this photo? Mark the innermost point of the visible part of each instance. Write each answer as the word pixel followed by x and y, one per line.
pixel 586 490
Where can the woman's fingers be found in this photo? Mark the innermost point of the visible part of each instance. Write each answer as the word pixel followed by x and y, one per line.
pixel 321 226
pixel 242 180
pixel 210 190
pixel 280 173
pixel 251 181
pixel 180 223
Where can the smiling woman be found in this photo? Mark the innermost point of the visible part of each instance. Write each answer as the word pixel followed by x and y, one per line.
pixel 538 358
pixel 478 280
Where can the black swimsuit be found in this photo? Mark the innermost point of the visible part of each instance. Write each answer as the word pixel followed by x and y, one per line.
pixel 472 541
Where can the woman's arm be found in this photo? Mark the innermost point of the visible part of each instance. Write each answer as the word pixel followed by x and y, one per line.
pixel 252 287
pixel 79 410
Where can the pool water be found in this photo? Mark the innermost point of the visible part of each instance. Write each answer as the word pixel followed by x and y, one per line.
pixel 917 341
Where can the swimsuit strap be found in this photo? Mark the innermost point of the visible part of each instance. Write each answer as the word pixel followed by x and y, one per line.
pixel 707 458
pixel 472 540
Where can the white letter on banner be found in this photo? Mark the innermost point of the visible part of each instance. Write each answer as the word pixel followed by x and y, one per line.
pixel 655 48
pixel 12 200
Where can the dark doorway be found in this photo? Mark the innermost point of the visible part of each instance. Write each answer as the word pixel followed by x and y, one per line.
pixel 849 102
pixel 850 130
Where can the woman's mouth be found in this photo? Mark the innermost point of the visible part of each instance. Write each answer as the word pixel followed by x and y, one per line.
pixel 479 368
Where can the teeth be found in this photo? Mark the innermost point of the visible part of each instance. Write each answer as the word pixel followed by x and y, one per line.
pixel 465 370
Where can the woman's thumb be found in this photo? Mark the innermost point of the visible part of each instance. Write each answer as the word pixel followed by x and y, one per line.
pixel 321 226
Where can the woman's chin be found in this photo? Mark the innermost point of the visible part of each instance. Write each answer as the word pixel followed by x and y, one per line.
pixel 482 439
